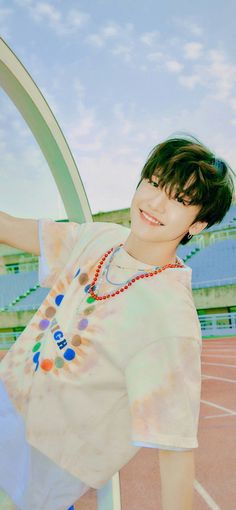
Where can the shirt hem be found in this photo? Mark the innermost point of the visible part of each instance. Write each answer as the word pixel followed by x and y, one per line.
pixel 159 446
pixel 168 441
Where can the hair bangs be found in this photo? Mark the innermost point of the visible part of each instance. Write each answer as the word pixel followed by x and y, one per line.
pixel 178 183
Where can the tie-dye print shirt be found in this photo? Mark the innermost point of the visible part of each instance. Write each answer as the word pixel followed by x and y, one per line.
pixel 95 380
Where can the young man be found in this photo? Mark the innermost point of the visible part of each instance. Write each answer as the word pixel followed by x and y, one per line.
pixel 111 361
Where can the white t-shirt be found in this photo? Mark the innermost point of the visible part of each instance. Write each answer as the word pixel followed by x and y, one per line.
pixel 95 380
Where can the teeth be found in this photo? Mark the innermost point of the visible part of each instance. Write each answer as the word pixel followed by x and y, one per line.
pixel 150 219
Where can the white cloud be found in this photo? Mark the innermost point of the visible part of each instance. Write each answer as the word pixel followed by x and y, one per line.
pixel 85 124
pixel 126 126
pixel 155 56
pixel 232 103
pixel 95 144
pixel 117 39
pixel 195 29
pixel 85 131
pixel 189 81
pixel 187 23
pixel 149 38
pixel 95 39
pixel 193 50
pixel 24 3
pixel 217 76
pixel 62 24
pixel 20 129
pixel 5 13
pixel 124 42
pixel 46 11
pixel 173 66
pixel 222 74
pixel 101 172
pixel 124 50
pixel 79 88
pixel 77 18
pixel 129 27
pixel 110 30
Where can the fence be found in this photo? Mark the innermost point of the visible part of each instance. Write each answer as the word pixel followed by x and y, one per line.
pixel 218 324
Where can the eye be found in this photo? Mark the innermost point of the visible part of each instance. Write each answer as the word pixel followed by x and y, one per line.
pixel 153 182
pixel 181 200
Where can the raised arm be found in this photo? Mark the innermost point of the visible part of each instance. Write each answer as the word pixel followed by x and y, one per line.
pixel 21 233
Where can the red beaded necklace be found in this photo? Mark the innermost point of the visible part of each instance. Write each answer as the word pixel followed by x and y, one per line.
pixel 122 289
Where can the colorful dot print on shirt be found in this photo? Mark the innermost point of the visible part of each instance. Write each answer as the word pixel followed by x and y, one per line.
pixel 68 353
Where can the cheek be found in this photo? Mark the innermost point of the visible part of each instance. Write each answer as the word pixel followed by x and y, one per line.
pixel 179 219
pixel 133 203
pixel 136 200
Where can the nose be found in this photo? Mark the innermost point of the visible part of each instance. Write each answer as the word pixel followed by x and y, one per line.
pixel 159 201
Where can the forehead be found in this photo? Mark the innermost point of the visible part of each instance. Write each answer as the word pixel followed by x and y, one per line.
pixel 157 175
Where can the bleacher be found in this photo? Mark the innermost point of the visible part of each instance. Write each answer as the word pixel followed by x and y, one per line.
pixel 228 221
pixel 186 251
pixel 21 291
pixel 214 265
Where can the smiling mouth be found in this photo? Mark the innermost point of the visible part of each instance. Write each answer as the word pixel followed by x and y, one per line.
pixel 145 217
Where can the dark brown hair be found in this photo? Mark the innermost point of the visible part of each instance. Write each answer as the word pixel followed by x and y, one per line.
pixel 190 169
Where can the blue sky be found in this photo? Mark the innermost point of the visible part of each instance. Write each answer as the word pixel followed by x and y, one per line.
pixel 120 77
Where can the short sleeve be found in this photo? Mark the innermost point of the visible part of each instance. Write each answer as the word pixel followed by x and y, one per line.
pixel 56 240
pixel 163 383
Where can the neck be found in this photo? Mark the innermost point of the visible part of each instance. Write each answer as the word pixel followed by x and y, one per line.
pixel 150 253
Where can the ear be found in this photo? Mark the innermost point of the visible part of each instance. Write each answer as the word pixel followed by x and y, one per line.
pixel 197 227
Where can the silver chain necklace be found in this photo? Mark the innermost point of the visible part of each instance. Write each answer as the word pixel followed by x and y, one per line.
pixel 107 267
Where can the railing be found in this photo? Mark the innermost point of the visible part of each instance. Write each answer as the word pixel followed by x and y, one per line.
pixel 21 307
pixel 19 267
pixel 214 283
pixel 218 324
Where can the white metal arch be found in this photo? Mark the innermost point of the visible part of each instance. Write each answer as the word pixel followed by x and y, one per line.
pixel 23 91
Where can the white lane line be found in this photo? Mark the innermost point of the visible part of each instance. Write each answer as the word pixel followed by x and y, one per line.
pixel 219 350
pixel 212 404
pixel 116 491
pixel 217 355
pixel 218 364
pixel 229 340
pixel 206 496
pixel 217 416
pixel 219 344
pixel 219 339
pixel 219 378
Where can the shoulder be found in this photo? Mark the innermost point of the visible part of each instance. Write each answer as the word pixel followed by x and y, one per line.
pixel 103 227
pixel 95 238
pixel 102 231
pixel 177 314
